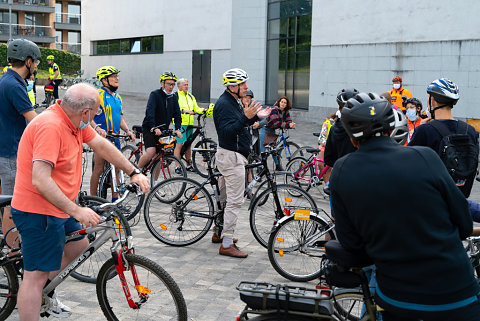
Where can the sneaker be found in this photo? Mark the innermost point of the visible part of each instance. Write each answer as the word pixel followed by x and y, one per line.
pixel 178 170
pixel 190 168
pixel 53 306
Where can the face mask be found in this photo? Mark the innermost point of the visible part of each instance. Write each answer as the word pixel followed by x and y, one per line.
pixel 168 94
pixel 30 85
pixel 411 114
pixel 338 113
pixel 396 86
pixel 84 125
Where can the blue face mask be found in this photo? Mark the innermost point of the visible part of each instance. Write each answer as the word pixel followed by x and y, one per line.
pixel 30 85
pixel 411 114
pixel 168 94
pixel 84 125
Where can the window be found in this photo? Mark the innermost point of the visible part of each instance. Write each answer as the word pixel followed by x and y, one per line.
pixel 58 36
pixel 73 37
pixel 74 13
pixel 151 44
pixel 288 51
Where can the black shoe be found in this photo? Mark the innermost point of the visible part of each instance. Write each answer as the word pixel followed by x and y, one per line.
pixel 190 168
pixel 178 170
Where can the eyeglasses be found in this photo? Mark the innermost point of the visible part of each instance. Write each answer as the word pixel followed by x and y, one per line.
pixel 171 84
pixel 113 76
pixel 36 62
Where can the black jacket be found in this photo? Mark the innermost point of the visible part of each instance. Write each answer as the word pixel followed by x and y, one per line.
pixel 232 125
pixel 409 219
pixel 338 144
pixel 160 111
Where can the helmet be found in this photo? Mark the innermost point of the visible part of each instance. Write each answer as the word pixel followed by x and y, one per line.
pixel 209 112
pixel 235 76
pixel 105 71
pixel 444 91
pixel 167 75
pixel 400 132
pixel 20 49
pixel 249 93
pixel 366 115
pixel 397 78
pixel 345 94
pixel 413 101
pixel 50 57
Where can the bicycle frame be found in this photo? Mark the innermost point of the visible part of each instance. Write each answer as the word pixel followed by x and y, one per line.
pixel 299 175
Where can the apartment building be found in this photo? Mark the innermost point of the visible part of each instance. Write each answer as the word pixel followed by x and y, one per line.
pixel 49 23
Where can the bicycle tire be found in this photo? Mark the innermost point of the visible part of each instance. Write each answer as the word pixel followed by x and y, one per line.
pixel 198 162
pixel 164 168
pixel 88 271
pixel 293 250
pixel 8 290
pixel 169 303
pixel 129 152
pixel 296 167
pixel 349 304
pixel 263 215
pixel 163 219
pixel 131 206
pixel 282 156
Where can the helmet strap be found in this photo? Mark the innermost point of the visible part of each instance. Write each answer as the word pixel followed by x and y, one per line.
pixel 110 87
pixel 234 93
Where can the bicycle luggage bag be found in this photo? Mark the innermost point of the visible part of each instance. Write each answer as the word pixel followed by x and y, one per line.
pixel 266 296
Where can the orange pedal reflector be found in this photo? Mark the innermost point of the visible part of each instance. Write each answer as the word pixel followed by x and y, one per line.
pixel 280 252
pixel 281 240
pixel 288 199
pixel 195 197
pixel 163 227
pixel 142 289
pixel 120 227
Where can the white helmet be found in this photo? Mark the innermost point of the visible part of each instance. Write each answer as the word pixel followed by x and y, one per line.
pixel 400 132
pixel 234 76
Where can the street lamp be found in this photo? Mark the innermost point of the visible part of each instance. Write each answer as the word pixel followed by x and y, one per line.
pixel 10 20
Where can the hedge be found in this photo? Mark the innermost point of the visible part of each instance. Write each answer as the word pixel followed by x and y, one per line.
pixel 68 62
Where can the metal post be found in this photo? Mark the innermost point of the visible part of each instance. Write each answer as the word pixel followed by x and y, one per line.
pixel 10 20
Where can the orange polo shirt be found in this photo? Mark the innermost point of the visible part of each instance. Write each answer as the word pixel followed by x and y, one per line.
pixel 53 138
pixel 397 99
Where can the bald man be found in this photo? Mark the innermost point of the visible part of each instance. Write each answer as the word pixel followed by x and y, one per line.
pixel 48 180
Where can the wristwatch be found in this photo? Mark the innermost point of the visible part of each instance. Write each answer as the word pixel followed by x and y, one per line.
pixel 135 172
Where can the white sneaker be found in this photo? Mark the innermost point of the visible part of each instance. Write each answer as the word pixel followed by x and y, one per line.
pixel 53 306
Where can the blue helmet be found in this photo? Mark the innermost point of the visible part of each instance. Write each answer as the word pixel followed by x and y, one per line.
pixel 444 91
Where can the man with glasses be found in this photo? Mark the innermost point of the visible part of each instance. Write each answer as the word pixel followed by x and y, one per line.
pixel 109 118
pixel 162 106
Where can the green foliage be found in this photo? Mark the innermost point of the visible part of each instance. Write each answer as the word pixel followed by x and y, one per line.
pixel 68 62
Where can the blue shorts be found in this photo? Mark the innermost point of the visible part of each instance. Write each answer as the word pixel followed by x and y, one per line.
pixel 43 239
pixel 185 134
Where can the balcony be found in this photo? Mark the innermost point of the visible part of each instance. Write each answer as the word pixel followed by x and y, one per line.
pixel 70 47
pixel 68 21
pixel 35 33
pixel 38 6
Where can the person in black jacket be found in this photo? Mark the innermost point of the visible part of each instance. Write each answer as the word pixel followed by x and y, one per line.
pixel 231 122
pixel 162 106
pixel 413 237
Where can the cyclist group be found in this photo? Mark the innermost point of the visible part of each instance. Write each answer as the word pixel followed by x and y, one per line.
pixel 415 244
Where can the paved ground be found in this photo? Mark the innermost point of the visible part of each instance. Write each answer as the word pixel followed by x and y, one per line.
pixel 206 279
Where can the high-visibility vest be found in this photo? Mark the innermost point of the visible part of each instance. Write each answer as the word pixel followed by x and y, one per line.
pixel 397 99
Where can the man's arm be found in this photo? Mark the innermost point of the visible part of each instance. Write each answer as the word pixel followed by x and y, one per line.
pixel 124 127
pixel 29 115
pixel 44 183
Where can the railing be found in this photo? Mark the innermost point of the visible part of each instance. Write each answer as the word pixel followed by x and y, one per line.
pixel 47 3
pixel 26 30
pixel 68 46
pixel 73 18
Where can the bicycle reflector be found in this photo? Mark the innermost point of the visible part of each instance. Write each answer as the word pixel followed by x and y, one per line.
pixel 163 227
pixel 143 290
pixel 280 252
pixel 288 199
pixel 280 239
pixel 119 225
pixel 195 196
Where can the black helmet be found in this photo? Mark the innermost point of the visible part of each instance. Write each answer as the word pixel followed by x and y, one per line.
pixel 366 115
pixel 21 49
pixel 413 101
pixel 249 93
pixel 444 91
pixel 344 95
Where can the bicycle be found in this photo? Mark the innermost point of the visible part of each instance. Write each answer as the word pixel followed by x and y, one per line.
pixel 472 246
pixel 180 211
pixel 49 99
pixel 70 81
pixel 145 281
pixel 287 147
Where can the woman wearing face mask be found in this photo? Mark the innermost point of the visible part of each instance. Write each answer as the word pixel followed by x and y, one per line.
pixel 413 110
pixel 398 93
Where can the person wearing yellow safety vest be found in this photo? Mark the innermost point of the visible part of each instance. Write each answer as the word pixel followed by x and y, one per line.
pixel 55 75
pixel 398 93
pixel 188 108
pixel 8 66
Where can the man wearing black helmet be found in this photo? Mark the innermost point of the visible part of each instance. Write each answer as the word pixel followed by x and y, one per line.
pixel 413 245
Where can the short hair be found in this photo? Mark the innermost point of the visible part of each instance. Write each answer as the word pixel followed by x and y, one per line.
pixel 77 100
pixel 181 81
pixel 289 103
pixel 17 63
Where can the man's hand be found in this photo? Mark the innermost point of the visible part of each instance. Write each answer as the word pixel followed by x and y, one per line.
pixel 253 109
pixel 178 133
pixel 191 112
pixel 157 132
pixel 86 216
pixel 426 120
pixel 292 125
pixel 255 125
pixel 101 132
pixel 264 112
pixel 132 135
pixel 142 181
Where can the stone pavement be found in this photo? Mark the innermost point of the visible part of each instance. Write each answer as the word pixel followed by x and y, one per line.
pixel 206 279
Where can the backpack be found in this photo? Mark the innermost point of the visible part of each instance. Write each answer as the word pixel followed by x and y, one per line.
pixel 459 153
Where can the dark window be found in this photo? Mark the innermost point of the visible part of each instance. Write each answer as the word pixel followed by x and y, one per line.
pixel 128 46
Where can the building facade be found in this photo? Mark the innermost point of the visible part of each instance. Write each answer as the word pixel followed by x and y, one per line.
pixel 305 49
pixel 49 23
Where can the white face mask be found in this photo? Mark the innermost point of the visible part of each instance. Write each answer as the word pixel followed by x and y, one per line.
pixel 396 86
pixel 411 114
pixel 84 125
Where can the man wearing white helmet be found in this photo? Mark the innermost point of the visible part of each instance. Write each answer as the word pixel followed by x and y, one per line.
pixel 231 122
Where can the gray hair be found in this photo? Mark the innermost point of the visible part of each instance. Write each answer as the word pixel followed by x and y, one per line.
pixel 79 97
pixel 181 81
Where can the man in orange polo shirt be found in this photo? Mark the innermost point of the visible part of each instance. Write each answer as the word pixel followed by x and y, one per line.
pixel 49 162
pixel 398 93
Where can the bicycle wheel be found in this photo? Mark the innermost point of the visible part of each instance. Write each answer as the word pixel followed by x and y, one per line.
pixel 8 290
pixel 349 304
pixel 295 247
pixel 131 206
pixel 302 151
pixel 264 213
pixel 154 291
pixel 199 162
pixel 285 154
pixel 301 175
pixel 178 211
pixel 129 151
pixel 165 168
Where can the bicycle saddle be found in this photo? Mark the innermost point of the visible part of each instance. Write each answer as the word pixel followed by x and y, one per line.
pixel 313 150
pixel 137 128
pixel 337 254
pixel 5 200
pixel 317 134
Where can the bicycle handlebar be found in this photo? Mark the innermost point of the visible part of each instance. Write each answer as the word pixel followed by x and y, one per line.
pixel 112 135
pixel 132 187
